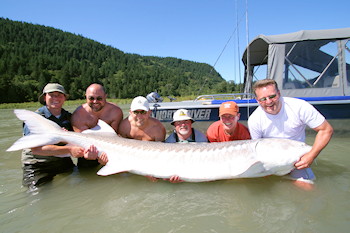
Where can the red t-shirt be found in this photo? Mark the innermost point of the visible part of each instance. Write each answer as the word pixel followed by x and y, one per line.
pixel 216 133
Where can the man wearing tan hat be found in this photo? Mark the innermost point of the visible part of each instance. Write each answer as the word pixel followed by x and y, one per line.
pixel 183 131
pixel 139 124
pixel 228 128
pixel 42 163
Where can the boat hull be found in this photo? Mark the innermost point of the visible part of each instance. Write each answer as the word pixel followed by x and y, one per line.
pixel 333 107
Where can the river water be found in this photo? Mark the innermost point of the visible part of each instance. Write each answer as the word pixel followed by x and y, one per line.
pixel 84 202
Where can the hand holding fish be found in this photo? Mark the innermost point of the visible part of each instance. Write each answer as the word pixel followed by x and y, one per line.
pixel 152 179
pixel 305 161
pixel 76 151
pixel 103 158
pixel 91 153
pixel 174 179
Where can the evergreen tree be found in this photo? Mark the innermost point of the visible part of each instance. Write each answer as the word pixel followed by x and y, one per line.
pixel 33 55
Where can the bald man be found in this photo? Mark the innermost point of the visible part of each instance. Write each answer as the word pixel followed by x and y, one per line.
pixel 87 115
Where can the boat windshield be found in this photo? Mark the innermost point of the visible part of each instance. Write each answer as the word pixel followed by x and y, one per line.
pixel 308 64
pixel 311 64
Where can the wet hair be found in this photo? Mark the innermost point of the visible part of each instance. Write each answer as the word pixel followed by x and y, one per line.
pixel 263 83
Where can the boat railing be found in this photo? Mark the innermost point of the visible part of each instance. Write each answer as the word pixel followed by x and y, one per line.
pixel 230 96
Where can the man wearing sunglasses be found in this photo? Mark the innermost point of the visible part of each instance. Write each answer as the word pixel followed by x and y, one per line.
pixel 285 117
pixel 87 115
pixel 139 124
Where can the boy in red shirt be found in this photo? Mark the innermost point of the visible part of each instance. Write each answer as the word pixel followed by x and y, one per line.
pixel 228 128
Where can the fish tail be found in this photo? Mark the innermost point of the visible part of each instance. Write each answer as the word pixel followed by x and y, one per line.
pixel 42 131
pixel 35 140
pixel 35 122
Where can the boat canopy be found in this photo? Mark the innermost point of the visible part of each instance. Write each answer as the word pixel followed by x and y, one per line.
pixel 304 63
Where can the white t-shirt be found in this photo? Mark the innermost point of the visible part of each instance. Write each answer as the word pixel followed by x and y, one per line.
pixel 290 122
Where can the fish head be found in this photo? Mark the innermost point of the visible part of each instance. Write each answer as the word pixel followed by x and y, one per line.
pixel 280 155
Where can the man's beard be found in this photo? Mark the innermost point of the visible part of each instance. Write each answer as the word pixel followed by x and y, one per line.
pixel 184 131
pixel 96 107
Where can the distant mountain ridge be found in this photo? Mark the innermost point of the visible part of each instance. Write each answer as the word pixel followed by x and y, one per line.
pixel 33 55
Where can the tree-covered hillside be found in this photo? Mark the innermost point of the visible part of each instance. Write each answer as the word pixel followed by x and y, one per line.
pixel 33 55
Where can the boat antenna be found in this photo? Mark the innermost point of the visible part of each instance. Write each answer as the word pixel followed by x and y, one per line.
pixel 248 50
pixel 222 51
pixel 238 49
pixel 228 41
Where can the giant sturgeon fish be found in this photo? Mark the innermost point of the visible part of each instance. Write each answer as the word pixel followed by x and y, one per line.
pixel 192 162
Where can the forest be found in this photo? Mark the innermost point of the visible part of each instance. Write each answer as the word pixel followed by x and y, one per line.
pixel 33 55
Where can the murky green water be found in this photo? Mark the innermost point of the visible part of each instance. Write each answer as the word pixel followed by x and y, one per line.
pixel 84 202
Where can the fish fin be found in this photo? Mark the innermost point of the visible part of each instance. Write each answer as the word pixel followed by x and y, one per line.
pixel 34 140
pixel 101 127
pixel 257 169
pixel 110 170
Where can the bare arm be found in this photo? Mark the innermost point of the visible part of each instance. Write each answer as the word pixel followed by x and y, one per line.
pixel 124 128
pixel 79 128
pixel 323 136
pixel 77 124
pixel 52 150
pixel 80 120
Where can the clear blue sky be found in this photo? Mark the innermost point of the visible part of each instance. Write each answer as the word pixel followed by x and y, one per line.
pixel 195 30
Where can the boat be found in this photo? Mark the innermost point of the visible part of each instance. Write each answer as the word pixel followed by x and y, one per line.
pixel 313 65
pixel 204 107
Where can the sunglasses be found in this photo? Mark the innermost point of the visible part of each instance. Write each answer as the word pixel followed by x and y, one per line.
pixel 98 98
pixel 142 112
pixel 270 97
pixel 182 122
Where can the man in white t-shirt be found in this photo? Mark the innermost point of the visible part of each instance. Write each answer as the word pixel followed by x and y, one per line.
pixel 285 117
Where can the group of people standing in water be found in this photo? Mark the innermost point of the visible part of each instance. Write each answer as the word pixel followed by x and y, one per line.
pixel 276 117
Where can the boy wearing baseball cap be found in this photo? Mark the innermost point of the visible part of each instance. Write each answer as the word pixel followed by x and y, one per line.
pixel 228 128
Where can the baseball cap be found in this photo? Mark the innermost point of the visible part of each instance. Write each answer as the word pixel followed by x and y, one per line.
pixel 139 102
pixel 51 87
pixel 181 115
pixel 228 107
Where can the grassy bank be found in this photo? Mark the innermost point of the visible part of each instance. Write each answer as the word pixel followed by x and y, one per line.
pixel 66 104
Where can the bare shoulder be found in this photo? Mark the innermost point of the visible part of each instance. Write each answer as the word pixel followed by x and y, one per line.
pixel 113 106
pixel 111 112
pixel 79 111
